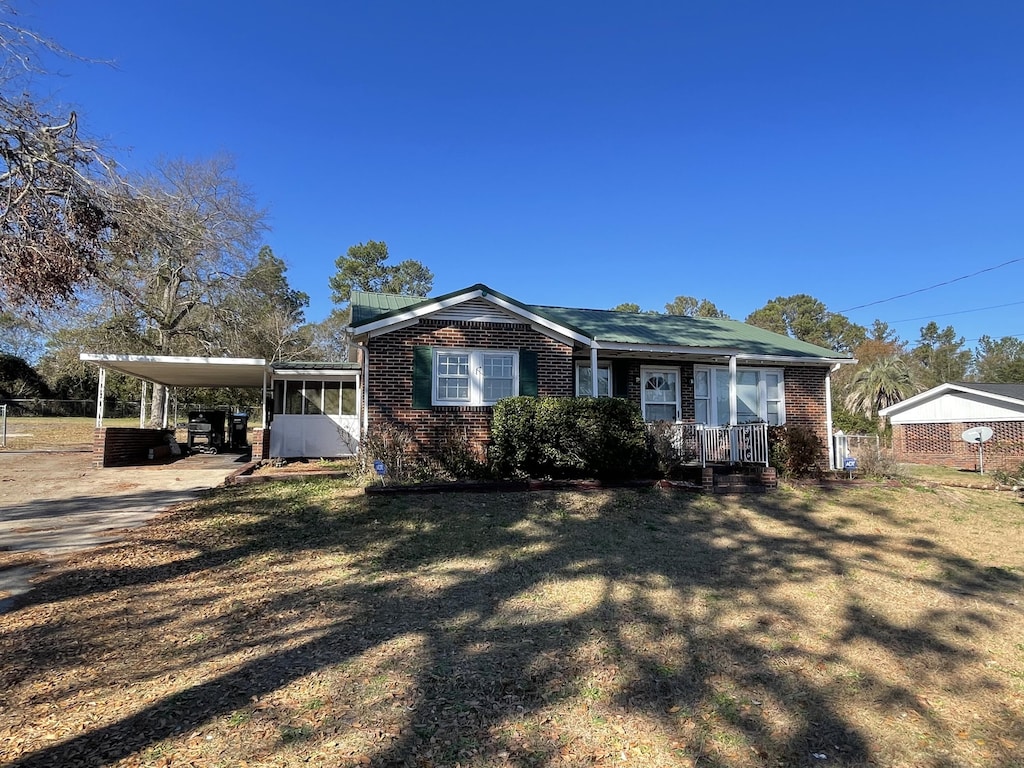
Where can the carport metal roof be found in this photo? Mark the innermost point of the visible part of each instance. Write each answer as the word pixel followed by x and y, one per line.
pixel 186 371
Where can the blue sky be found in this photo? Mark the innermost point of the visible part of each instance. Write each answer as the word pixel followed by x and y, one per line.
pixel 592 153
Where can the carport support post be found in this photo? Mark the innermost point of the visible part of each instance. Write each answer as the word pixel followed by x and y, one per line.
pixel 142 406
pixel 167 403
pixel 101 395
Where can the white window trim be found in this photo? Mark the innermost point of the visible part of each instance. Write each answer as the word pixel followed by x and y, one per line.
pixel 581 365
pixel 476 381
pixel 645 370
pixel 762 390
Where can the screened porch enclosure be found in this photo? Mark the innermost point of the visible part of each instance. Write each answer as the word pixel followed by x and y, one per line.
pixel 315 416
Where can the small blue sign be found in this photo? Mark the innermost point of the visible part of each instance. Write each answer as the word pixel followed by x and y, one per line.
pixel 380 467
pixel 849 464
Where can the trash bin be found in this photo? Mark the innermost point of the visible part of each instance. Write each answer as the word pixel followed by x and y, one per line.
pixel 238 434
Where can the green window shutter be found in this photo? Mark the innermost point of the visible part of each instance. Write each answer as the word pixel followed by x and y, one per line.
pixel 620 378
pixel 527 373
pixel 422 377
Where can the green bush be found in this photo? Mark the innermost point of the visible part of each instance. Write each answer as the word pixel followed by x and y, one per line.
pixel 794 451
pixel 603 438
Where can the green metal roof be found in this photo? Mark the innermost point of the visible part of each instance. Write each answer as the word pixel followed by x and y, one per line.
pixel 370 306
pixel 680 331
pixel 616 327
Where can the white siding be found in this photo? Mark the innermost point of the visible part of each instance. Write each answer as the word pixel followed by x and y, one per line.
pixel 476 311
pixel 956 407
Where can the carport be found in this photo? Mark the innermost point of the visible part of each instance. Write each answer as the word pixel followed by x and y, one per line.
pixel 316 406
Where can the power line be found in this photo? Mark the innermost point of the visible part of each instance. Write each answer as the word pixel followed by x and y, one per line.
pixel 961 312
pixel 932 287
pixel 1004 336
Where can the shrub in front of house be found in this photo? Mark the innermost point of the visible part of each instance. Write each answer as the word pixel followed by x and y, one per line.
pixel 794 451
pixel 568 437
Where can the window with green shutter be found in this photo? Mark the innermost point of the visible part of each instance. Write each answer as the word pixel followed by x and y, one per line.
pixel 527 372
pixel 422 376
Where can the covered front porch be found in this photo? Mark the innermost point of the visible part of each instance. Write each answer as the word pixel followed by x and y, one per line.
pixel 714 407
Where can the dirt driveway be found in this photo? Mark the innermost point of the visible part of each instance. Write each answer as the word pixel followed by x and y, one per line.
pixel 54 504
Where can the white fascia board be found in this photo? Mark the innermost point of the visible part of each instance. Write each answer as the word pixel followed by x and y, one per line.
pixel 830 361
pixel 622 346
pixel 987 419
pixel 390 328
pixel 552 334
pixel 987 395
pixel 617 346
pixel 405 319
pixel 921 397
pixel 943 389
pixel 88 357
pixel 395 321
pixel 315 374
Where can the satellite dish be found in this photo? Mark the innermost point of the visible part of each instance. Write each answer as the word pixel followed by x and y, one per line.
pixel 977 435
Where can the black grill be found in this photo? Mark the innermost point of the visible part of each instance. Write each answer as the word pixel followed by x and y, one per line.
pixel 205 431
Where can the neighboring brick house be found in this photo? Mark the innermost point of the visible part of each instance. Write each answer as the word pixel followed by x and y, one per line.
pixel 928 428
pixel 434 365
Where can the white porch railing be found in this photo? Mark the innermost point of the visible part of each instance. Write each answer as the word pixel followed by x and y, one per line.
pixel 707 444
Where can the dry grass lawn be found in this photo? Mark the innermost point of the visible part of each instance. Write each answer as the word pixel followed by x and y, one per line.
pixel 55 432
pixel 307 624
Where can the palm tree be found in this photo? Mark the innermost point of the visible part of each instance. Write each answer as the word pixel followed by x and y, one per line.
pixel 879 384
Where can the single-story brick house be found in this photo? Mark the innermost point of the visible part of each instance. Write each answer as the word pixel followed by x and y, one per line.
pixel 928 428
pixel 431 365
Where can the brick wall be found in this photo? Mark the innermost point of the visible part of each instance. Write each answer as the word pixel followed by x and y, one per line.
pixel 260 444
pixel 805 404
pixel 941 445
pixel 390 377
pixel 391 365
pixel 124 446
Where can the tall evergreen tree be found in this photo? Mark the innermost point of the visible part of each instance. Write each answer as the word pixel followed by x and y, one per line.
pixel 806 318
pixel 363 268
pixel 939 356
pixel 999 361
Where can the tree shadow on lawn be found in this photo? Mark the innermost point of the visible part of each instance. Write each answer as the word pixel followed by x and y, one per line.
pixel 523 629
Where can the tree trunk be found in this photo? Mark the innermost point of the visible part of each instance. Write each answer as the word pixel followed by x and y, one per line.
pixel 156 407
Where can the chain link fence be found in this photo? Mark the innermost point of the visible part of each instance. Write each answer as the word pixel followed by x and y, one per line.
pixel 864 450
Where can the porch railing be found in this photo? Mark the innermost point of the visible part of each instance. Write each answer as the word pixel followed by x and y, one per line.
pixel 707 444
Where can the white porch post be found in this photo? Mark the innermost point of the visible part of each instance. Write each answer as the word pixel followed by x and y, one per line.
pixel 142 406
pixel 263 408
pixel 167 405
pixel 733 418
pixel 266 422
pixel 593 370
pixel 732 391
pixel 101 396
pixel 828 417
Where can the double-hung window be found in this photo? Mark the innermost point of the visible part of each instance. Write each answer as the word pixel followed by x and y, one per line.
pixel 474 376
pixel 452 383
pixel 585 381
